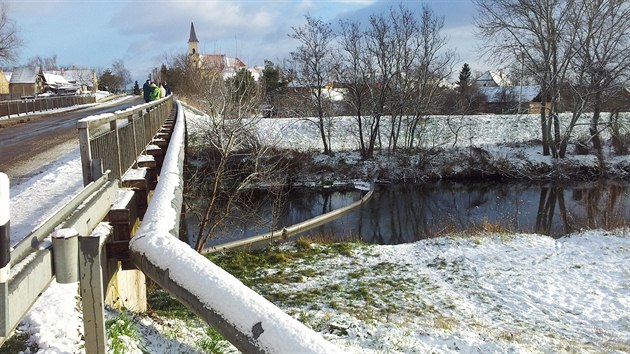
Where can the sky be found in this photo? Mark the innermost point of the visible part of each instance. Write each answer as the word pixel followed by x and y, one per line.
pixel 144 34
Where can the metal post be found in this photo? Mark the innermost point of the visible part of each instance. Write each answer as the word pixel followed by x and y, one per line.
pixel 5 255
pixel 65 255
pixel 92 288
pixel 86 151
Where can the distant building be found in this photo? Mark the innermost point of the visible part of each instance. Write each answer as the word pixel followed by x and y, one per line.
pixel 502 97
pixel 85 79
pixel 27 81
pixel 227 66
pixel 493 79
pixel 4 82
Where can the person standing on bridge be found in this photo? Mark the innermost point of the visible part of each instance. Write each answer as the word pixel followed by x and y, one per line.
pixel 146 90
pixel 162 90
pixel 168 88
pixel 155 92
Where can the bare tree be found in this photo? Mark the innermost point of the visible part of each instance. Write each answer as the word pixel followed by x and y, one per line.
pixel 229 154
pixel 395 68
pixel 354 72
pixel 314 64
pixel 48 63
pixel 434 65
pixel 408 49
pixel 539 33
pixel 185 77
pixel 122 73
pixel 380 44
pixel 9 39
pixel 602 62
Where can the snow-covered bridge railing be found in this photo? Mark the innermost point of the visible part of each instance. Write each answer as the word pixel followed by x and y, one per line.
pixel 32 105
pixel 246 319
pixel 124 139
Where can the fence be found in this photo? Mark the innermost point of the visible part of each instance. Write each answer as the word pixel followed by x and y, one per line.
pixel 31 105
pixel 129 133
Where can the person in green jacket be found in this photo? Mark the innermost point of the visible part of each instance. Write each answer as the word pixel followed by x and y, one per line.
pixel 155 92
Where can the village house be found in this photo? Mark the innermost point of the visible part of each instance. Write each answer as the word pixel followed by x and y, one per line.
pixel 503 97
pixel 4 83
pixel 71 81
pixel 27 81
pixel 84 79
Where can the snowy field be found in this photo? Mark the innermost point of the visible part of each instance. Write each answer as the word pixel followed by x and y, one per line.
pixel 472 294
pixel 497 293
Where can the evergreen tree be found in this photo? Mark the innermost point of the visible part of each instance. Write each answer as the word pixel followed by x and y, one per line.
pixel 244 84
pixel 273 85
pixel 271 77
pixel 464 79
pixel 136 89
pixel 108 81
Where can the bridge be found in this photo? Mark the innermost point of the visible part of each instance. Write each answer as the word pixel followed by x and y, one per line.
pixel 124 225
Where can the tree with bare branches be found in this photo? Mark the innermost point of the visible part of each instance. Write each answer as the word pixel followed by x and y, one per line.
pixel 395 67
pixel 354 72
pixel 539 33
pixel 602 63
pixel 10 42
pixel 229 158
pixel 313 67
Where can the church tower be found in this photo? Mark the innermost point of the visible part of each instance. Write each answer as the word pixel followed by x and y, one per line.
pixel 193 43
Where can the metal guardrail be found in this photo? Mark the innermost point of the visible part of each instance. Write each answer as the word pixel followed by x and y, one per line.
pixel 119 146
pixel 30 267
pixel 32 105
pixel 78 235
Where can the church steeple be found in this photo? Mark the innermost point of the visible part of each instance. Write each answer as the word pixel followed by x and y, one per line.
pixel 193 43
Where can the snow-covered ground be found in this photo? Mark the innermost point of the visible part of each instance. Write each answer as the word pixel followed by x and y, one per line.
pixel 497 293
pixel 473 294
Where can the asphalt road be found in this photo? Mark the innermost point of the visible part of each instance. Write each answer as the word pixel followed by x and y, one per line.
pixel 27 148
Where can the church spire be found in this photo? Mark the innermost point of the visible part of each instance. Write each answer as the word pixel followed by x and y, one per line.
pixel 193 43
pixel 193 35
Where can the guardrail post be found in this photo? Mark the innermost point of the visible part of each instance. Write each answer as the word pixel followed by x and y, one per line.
pixel 86 152
pixel 65 255
pixel 91 260
pixel 5 255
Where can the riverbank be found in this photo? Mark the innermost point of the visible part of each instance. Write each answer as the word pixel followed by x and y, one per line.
pixel 499 147
pixel 485 293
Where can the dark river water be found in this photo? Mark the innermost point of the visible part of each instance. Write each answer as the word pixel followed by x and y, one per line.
pixel 407 213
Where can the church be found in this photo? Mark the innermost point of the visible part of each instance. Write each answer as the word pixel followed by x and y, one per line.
pixel 228 66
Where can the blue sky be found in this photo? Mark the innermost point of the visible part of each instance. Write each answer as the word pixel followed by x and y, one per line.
pixel 94 33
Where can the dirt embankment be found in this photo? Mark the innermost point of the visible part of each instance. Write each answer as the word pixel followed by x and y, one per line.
pixel 491 162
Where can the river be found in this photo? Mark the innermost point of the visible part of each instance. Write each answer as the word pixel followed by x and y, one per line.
pixel 407 213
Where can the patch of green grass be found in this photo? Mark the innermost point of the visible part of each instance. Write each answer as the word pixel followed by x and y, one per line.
pixel 444 323
pixel 17 343
pixel 123 334
pixel 165 305
pixel 246 266
pixel 308 272
pixel 213 343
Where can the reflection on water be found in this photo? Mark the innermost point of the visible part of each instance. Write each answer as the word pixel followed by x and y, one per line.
pixel 407 213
